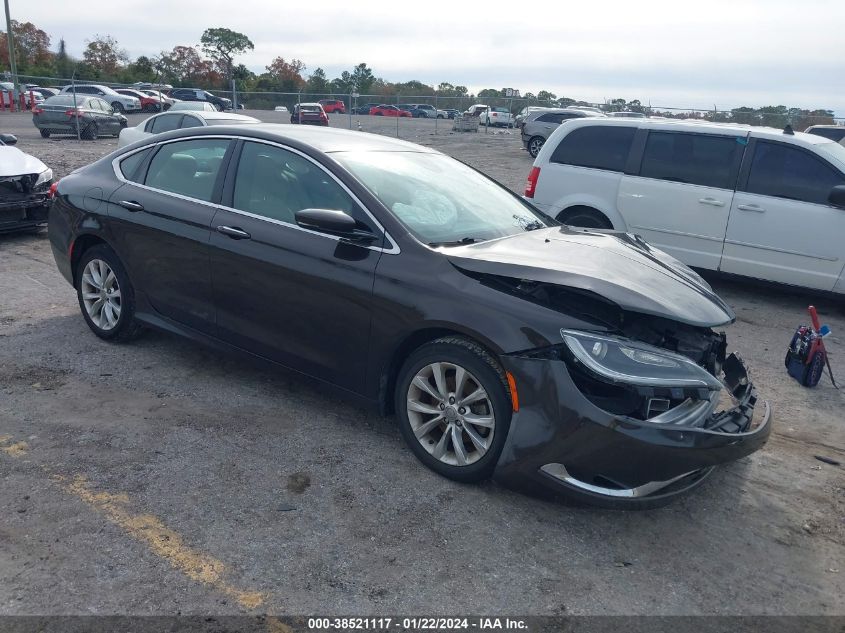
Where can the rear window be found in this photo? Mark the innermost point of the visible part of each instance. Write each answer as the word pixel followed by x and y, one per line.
pixel 596 146
pixel 783 171
pixel 129 165
pixel 696 159
pixel 62 100
pixel 833 133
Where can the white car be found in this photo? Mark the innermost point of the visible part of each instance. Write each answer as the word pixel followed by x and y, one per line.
pixel 497 116
pixel 29 96
pixel 26 181
pixel 121 103
pixel 280 109
pixel 170 120
pixel 201 106
pixel 752 201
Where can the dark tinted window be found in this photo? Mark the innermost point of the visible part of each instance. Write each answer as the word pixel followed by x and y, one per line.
pixel 788 172
pixel 164 123
pixel 833 133
pixel 188 168
pixel 596 146
pixel 275 183
pixel 557 117
pixel 695 159
pixel 190 121
pixel 129 165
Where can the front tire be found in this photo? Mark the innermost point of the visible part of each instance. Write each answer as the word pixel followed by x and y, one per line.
pixel 535 144
pixel 106 296
pixel 45 133
pixel 91 132
pixel 453 408
pixel 118 107
pixel 585 217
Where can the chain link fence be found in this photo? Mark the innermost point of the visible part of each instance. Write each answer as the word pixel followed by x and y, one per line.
pixel 442 108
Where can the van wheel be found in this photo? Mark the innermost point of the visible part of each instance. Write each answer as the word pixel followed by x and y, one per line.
pixel 535 145
pixel 585 217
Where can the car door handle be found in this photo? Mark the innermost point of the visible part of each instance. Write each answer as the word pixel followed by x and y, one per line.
pixel 233 232
pixel 713 202
pixel 130 205
pixel 750 207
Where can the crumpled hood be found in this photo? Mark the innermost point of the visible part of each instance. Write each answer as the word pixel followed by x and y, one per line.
pixel 618 266
pixel 14 162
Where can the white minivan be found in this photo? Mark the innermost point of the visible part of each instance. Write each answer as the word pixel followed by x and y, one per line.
pixel 752 201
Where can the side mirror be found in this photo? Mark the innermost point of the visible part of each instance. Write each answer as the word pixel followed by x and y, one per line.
pixel 333 222
pixel 8 139
pixel 837 196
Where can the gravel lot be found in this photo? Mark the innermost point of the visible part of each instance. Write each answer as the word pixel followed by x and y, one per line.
pixel 163 478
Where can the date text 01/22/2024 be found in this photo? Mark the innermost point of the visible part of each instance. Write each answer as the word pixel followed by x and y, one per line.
pixel 416 624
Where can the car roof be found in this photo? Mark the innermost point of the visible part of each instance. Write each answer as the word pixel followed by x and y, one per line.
pixel 326 140
pixel 218 116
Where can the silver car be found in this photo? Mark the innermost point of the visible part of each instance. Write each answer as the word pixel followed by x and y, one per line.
pixel 121 103
pixel 538 125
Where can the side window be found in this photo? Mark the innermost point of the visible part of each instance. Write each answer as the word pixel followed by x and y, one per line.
pixel 165 123
pixel 696 159
pixel 188 168
pixel 190 121
pixel 596 146
pixel 275 183
pixel 788 172
pixel 546 118
pixel 130 164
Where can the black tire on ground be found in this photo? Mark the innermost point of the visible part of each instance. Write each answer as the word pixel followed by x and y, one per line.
pixel 127 326
pixel 150 108
pixel 489 373
pixel 585 217
pixel 44 133
pixel 90 132
pixel 118 107
pixel 535 144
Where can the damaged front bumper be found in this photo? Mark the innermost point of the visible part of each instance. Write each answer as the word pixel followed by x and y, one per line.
pixel 22 212
pixel 560 439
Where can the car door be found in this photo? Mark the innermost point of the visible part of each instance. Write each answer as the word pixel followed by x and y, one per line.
pixel 110 123
pixel 161 217
pixel 781 226
pixel 679 196
pixel 298 297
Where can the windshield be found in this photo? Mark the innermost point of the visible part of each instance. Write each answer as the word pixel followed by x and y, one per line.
pixel 441 201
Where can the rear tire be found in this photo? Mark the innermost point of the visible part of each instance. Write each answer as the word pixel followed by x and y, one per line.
pixel 45 133
pixel 118 107
pixel 100 278
pixel 585 217
pixel 462 443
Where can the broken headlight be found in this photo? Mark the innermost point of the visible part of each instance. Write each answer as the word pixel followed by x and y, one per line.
pixel 620 360
pixel 45 178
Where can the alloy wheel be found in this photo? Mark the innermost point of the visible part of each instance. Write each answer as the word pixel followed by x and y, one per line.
pixel 101 294
pixel 451 414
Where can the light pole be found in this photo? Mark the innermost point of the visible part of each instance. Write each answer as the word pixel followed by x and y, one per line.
pixel 10 40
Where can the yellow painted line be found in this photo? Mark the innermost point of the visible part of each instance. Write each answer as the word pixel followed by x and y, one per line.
pixel 15 450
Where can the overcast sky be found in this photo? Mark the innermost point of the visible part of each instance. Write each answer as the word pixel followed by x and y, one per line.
pixel 712 52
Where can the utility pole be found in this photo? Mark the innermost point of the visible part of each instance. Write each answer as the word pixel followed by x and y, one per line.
pixel 10 39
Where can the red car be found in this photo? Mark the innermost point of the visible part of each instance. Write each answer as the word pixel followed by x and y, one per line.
pixel 148 103
pixel 388 110
pixel 333 105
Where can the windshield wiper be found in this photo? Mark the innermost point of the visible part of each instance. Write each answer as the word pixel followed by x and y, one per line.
pixel 527 224
pixel 460 242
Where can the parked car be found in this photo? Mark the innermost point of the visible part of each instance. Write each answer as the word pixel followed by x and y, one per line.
pixel 520 117
pixel 193 106
pixel 168 121
pixel 627 115
pixel 121 103
pixel 165 101
pixel 146 85
pixel 333 105
pixel 90 116
pixel 751 201
pixel 507 345
pixel 198 94
pixel 389 110
pixel 45 93
pixel 309 114
pixel 427 111
pixel 364 109
pixel 24 188
pixel 540 124
pixel 476 110
pixel 497 117
pixel 30 97
pixel 832 132
pixel 148 103
pixel 280 109
pixel 451 113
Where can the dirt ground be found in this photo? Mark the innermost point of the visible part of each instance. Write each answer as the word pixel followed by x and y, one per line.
pixel 162 478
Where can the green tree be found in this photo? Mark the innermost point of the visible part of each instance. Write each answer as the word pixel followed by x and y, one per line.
pixel 489 93
pixel 362 78
pixel 103 57
pixel 32 47
pixel 222 44
pixel 63 63
pixel 142 69
pixel 546 96
pixel 286 75
pixel 317 82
